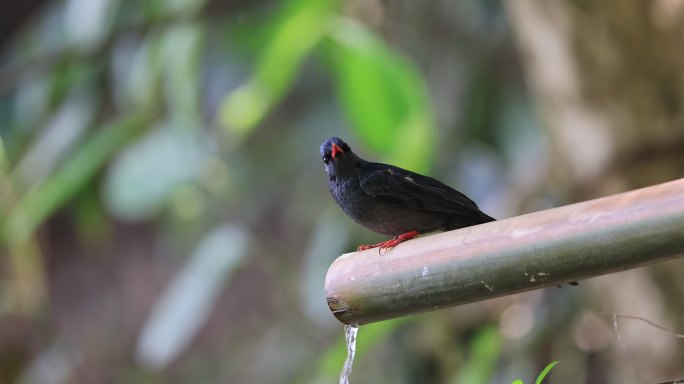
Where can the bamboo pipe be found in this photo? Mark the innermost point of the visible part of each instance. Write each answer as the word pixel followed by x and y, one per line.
pixel 514 255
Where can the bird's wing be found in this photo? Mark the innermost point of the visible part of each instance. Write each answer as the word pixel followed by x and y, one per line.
pixel 410 190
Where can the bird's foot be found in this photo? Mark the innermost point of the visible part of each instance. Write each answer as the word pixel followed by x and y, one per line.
pixel 390 243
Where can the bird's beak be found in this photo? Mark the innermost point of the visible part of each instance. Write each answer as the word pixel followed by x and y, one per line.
pixel 336 150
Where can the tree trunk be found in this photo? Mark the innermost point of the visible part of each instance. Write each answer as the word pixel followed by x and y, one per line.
pixel 609 84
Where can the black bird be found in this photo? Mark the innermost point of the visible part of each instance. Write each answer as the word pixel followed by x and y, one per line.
pixel 391 200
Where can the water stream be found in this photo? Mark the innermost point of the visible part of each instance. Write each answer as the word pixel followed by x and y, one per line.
pixel 350 331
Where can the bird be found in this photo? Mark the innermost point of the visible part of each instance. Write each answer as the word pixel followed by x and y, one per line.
pixel 394 201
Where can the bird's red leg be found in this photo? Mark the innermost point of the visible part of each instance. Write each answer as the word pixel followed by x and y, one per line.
pixel 390 243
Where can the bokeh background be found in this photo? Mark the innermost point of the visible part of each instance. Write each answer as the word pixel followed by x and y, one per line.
pixel 164 213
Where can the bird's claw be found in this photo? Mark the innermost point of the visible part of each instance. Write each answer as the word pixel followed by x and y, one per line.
pixel 391 243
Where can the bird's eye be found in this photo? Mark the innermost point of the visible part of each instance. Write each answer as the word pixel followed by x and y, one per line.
pixel 326 159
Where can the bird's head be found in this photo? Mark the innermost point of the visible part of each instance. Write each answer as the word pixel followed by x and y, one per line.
pixel 339 160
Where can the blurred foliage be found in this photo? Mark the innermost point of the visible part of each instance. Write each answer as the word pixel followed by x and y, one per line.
pixel 542 375
pixel 485 349
pixel 42 201
pixel 296 31
pixel 164 216
pixel 383 96
pixel 329 364
pixel 380 91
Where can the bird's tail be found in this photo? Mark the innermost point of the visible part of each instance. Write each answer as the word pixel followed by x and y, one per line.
pixel 469 221
pixel 486 218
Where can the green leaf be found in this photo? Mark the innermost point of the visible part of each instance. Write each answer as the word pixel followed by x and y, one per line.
pixel 4 162
pixel 383 96
pixel 87 22
pixel 182 45
pixel 300 27
pixel 545 372
pixel 159 9
pixel 173 154
pixel 40 203
pixel 186 304
pixel 142 83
